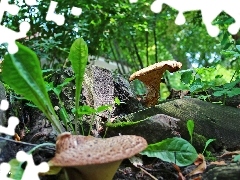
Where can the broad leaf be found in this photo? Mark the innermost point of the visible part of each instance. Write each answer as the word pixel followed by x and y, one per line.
pixel 22 72
pixel 78 56
pixel 236 158
pixel 186 76
pixel 58 89
pixel 220 93
pixel 231 84
pixel 174 150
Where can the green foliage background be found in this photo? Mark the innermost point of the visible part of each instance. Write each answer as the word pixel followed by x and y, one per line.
pixel 129 34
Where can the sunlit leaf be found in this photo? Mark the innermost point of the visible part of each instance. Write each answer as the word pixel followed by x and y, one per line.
pixel 186 76
pixel 175 150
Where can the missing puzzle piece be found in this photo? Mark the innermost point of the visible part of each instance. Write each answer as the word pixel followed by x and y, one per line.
pixel 31 171
pixel 13 9
pixel 12 123
pixel 4 170
pixel 31 2
pixel 52 16
pixel 4 105
pixel 209 9
pixel 11 36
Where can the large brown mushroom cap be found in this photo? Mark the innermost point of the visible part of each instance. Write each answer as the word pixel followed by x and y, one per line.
pixel 151 77
pixel 78 150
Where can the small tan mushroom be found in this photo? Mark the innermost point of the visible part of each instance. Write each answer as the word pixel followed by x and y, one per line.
pixel 151 77
pixel 90 158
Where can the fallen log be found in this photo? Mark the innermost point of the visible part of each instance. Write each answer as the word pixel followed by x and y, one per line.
pixel 211 121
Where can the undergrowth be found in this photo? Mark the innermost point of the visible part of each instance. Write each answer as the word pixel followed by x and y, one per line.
pixel 26 79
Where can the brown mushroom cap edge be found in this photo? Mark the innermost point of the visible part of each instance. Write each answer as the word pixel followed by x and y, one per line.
pixel 151 77
pixel 87 158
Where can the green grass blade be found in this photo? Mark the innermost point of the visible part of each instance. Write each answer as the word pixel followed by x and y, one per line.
pixel 207 144
pixel 190 127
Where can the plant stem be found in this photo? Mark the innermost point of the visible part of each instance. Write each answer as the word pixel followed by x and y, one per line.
pixel 233 75
pixel 91 123
pixel 208 96
pixel 40 145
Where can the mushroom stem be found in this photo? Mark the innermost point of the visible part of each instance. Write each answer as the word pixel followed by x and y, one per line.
pixel 151 77
pixel 93 172
pixel 152 96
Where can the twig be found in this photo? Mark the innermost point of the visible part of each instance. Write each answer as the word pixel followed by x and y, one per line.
pixel 147 173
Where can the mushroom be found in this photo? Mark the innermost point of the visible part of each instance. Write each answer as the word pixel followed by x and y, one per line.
pixel 90 158
pixel 151 77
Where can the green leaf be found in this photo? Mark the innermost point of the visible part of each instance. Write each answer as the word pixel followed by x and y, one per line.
pixel 49 86
pixel 231 84
pixel 64 116
pixel 57 90
pixel 16 171
pixel 78 56
pixel 195 87
pixel 236 158
pixel 225 39
pixel 238 47
pixel 190 127
pixel 86 110
pixel 26 76
pixel 103 108
pixel 186 76
pixel 117 101
pixel 207 143
pixel 229 20
pixel 227 45
pixel 175 150
pixel 233 92
pixel 219 93
pixel 22 72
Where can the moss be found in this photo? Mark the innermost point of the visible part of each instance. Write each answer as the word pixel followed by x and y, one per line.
pixel 199 142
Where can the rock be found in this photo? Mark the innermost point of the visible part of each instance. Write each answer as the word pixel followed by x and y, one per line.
pixel 231 171
pixel 153 129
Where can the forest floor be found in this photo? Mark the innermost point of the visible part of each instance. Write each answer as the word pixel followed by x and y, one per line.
pixel 150 168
